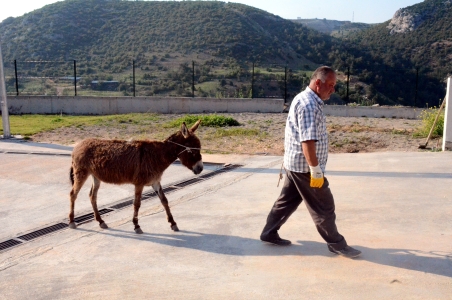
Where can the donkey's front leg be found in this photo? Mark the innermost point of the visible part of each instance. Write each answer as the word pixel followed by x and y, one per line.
pixel 136 206
pixel 158 189
pixel 93 198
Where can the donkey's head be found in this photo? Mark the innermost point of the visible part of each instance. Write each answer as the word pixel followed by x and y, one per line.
pixel 189 150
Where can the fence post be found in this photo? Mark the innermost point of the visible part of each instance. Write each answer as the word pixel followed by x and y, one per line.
pixel 193 80
pixel 17 80
pixel 4 101
pixel 285 84
pixel 348 83
pixel 252 83
pixel 417 81
pixel 447 132
pixel 75 78
pixel 133 76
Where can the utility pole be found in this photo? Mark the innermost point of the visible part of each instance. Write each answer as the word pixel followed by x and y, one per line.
pixel 348 83
pixel 133 75
pixel 285 84
pixel 252 83
pixel 75 78
pixel 4 102
pixel 193 80
pixel 417 82
pixel 17 80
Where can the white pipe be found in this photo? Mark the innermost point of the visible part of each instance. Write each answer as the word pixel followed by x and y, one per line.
pixel 4 102
pixel 447 134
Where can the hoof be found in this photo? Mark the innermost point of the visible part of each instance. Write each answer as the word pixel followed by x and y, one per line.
pixel 72 225
pixel 174 228
pixel 103 225
pixel 138 230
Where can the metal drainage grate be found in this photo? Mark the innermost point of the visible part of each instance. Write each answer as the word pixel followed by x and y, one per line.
pixel 169 189
pixel 15 152
pixel 188 182
pixel 122 204
pixel 50 154
pixel 41 232
pixel 8 244
pixel 209 175
pixel 144 196
pixel 35 234
pixel 90 216
pixel 148 195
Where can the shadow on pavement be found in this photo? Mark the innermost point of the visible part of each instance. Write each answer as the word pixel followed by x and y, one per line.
pixel 433 262
pixel 41 145
pixel 216 243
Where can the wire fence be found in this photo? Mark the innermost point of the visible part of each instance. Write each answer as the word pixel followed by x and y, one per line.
pixel 208 79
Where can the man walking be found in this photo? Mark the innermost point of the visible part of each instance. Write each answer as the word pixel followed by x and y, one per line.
pixel 306 154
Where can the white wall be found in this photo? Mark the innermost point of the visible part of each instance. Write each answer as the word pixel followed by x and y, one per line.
pixel 121 105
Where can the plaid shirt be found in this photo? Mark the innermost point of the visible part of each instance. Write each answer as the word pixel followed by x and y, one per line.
pixel 305 122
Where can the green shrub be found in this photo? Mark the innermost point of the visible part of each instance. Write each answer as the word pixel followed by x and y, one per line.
pixel 428 117
pixel 207 120
pixel 238 132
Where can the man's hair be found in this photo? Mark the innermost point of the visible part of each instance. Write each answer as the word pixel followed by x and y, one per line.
pixel 321 73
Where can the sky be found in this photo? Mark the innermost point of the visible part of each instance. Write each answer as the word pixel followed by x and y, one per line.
pixel 364 11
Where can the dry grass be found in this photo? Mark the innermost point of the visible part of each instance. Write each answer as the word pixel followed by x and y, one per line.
pixel 257 133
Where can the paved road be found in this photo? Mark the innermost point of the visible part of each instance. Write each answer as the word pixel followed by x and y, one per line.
pixel 395 207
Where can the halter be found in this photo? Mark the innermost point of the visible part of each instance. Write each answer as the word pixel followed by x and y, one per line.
pixel 188 149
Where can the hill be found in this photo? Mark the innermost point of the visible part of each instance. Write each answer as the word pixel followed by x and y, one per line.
pixel 120 30
pixel 415 42
pixel 333 27
pixel 224 40
pixel 104 36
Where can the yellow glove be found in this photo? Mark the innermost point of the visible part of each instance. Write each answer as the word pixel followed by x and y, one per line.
pixel 317 179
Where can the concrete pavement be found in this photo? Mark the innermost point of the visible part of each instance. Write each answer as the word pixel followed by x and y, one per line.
pixel 394 207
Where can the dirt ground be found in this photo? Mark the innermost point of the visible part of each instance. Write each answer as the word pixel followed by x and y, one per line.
pixel 261 134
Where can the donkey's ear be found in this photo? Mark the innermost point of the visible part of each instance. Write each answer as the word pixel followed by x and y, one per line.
pixel 184 130
pixel 194 127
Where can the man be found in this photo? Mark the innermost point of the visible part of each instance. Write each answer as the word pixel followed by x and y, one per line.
pixel 306 154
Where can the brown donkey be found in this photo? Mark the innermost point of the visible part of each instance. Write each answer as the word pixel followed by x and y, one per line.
pixel 140 163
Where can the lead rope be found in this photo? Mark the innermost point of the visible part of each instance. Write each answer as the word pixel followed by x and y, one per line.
pixel 188 149
pixel 280 174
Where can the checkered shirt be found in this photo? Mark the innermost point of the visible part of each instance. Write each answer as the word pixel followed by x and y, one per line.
pixel 305 122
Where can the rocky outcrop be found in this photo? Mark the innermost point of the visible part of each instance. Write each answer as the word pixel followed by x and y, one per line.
pixel 404 21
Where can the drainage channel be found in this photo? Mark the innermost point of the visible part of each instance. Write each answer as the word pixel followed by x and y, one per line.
pixel 122 204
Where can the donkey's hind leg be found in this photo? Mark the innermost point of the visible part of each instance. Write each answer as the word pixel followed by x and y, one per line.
pixel 79 178
pixel 158 189
pixel 93 198
pixel 136 208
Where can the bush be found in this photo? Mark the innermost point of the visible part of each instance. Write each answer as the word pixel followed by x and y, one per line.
pixel 207 120
pixel 428 117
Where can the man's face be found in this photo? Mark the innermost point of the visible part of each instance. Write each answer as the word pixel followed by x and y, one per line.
pixel 325 90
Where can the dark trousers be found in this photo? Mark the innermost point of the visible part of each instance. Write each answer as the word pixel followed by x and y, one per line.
pixel 320 204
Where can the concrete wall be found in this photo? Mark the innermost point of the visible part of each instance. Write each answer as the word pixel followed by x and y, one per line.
pixel 121 105
pixel 373 112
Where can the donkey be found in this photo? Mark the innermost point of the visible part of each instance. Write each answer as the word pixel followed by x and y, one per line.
pixel 140 163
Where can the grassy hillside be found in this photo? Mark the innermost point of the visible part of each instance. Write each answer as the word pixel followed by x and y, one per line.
pixel 224 39
pixel 118 31
pixel 390 62
pixel 163 38
pixel 333 27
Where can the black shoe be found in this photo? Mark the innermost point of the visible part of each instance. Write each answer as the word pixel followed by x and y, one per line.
pixel 347 251
pixel 275 239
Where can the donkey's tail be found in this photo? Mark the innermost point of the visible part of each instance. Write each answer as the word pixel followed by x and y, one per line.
pixel 71 175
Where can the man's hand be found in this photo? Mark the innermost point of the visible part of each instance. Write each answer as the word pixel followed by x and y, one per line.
pixel 317 179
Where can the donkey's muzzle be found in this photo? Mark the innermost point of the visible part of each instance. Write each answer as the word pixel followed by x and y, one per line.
pixel 198 167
